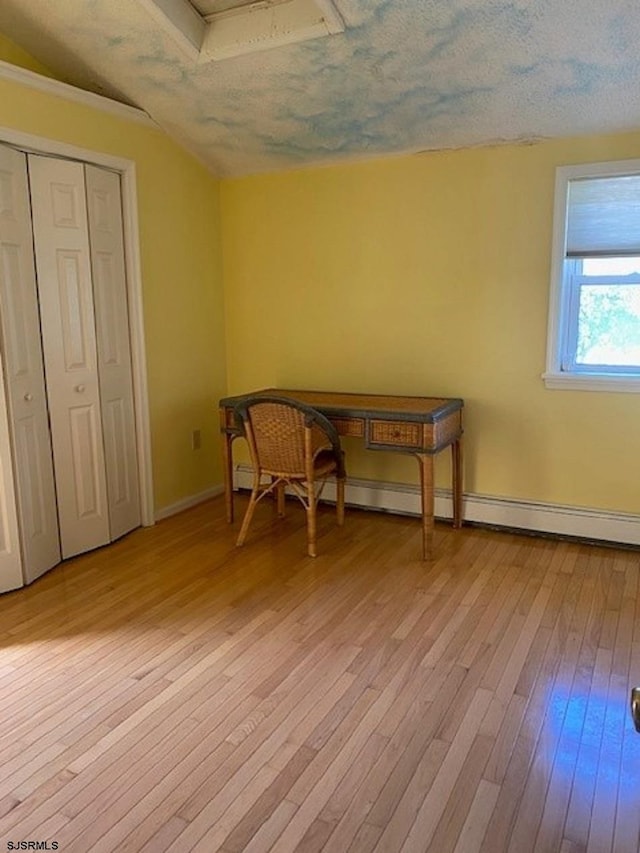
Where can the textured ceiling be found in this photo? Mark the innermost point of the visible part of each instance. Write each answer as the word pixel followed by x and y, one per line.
pixel 405 75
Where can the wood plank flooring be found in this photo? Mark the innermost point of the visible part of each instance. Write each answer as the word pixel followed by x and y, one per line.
pixel 171 693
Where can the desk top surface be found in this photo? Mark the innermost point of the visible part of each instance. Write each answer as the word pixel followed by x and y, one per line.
pixel 384 406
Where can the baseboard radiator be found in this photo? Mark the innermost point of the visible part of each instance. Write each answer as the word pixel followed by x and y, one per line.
pixel 555 519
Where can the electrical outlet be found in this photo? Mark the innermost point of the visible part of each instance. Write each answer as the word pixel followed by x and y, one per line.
pixel 196 439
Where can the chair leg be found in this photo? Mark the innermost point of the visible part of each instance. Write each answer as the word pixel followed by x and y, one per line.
pixel 280 499
pixel 311 521
pixel 340 500
pixel 246 521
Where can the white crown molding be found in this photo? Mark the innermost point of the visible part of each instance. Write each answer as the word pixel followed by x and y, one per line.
pixel 15 74
pixel 592 524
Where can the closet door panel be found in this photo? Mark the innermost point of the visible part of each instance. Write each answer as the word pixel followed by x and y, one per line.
pixel 69 344
pixel 114 350
pixel 22 351
pixel 10 561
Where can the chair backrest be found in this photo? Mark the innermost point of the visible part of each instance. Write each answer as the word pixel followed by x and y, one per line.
pixel 285 436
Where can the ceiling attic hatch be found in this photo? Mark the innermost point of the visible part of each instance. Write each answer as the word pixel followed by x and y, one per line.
pixel 219 29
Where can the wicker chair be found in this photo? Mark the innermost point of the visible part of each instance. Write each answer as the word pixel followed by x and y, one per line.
pixel 293 445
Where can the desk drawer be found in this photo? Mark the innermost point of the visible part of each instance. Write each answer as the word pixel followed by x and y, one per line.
pixel 395 433
pixel 353 427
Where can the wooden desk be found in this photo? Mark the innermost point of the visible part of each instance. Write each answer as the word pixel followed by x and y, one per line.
pixel 422 426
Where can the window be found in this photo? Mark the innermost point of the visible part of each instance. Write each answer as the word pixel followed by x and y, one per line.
pixel 594 316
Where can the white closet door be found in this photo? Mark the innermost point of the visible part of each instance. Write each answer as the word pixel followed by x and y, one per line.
pixel 114 349
pixel 69 343
pixel 26 394
pixel 10 561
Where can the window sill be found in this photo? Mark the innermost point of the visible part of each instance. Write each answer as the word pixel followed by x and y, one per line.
pixel 592 382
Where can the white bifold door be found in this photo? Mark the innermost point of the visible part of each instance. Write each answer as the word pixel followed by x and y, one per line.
pixel 34 495
pixel 67 358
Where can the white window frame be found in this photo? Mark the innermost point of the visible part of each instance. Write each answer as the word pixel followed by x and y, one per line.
pixel 561 373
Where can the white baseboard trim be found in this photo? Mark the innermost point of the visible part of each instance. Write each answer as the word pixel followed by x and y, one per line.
pixel 592 524
pixel 187 503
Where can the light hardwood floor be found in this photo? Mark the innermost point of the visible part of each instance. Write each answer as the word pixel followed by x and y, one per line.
pixel 174 693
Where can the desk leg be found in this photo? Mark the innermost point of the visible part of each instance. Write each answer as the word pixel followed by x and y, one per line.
pixel 456 475
pixel 227 470
pixel 425 461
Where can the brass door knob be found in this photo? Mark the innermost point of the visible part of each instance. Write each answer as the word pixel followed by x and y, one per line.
pixel 635 707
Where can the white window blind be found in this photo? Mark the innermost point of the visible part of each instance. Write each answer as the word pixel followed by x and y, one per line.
pixel 603 217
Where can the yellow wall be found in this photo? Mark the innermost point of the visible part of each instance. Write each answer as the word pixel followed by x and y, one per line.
pixel 428 274
pixel 181 270
pixel 425 274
